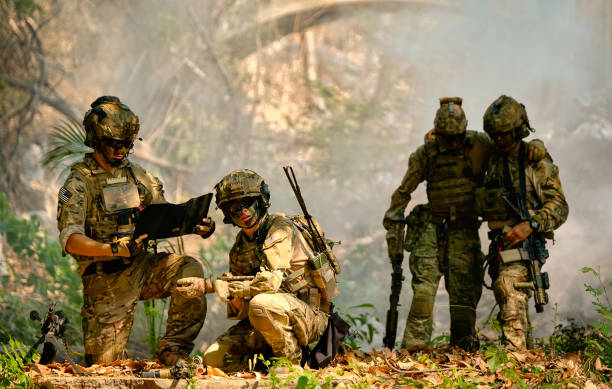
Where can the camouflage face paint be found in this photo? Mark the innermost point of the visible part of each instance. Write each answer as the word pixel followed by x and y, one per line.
pixel 115 150
pixel 244 212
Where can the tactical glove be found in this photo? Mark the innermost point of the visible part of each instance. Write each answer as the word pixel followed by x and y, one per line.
pixel 240 289
pixel 222 289
pixel 395 240
pixel 205 229
pixel 192 287
pixel 536 150
pixel 128 247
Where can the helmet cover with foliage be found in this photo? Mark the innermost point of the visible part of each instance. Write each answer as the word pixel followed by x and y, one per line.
pixel 506 114
pixel 239 184
pixel 450 118
pixel 109 118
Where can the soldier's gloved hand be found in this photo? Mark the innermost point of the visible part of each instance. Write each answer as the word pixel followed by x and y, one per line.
pixel 192 287
pixel 222 289
pixel 128 247
pixel 395 239
pixel 429 135
pixel 240 289
pixel 205 229
pixel 536 150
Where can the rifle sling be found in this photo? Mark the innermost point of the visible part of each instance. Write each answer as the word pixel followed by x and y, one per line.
pixel 521 170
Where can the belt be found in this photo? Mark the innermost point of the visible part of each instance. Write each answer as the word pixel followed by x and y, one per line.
pixel 106 267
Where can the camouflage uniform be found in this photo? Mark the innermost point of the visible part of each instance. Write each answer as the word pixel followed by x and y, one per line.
pixel 445 244
pixel 546 204
pixel 508 171
pixel 113 285
pixel 275 318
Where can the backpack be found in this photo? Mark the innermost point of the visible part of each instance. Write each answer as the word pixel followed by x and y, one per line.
pixel 324 265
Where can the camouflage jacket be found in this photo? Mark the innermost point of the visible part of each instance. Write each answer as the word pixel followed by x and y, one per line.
pixel 81 208
pixel 477 145
pixel 276 250
pixel 545 199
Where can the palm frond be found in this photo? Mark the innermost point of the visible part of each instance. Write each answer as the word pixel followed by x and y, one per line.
pixel 67 140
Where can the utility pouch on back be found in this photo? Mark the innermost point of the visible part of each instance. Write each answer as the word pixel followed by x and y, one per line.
pixel 118 196
pixel 323 276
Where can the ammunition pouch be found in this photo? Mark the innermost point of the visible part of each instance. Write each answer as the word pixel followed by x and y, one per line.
pixel 323 276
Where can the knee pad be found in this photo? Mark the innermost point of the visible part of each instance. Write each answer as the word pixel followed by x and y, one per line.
pixel 422 306
pixel 191 268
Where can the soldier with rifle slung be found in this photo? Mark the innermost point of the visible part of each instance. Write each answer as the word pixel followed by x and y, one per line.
pixel 280 300
pixel 523 202
pixel 442 237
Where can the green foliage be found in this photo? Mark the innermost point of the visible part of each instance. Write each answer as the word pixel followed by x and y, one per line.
pixel 154 321
pixel 501 363
pixel 25 8
pixel 67 139
pixel 297 377
pixel 440 340
pixel 599 344
pixel 12 360
pixel 363 325
pixel 51 276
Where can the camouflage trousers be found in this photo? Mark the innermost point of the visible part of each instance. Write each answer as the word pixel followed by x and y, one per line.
pixel 278 324
pixel 109 301
pixel 460 261
pixel 513 309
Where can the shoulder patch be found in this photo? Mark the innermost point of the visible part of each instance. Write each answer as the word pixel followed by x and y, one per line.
pixel 64 195
pixel 275 237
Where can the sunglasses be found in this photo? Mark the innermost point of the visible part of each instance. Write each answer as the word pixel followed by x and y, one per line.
pixel 118 144
pixel 236 207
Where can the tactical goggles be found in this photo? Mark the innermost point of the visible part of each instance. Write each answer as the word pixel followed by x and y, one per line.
pixel 235 207
pixel 118 144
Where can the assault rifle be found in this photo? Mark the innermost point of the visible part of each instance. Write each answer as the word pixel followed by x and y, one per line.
pixel 182 369
pixel 397 278
pixel 331 340
pixel 52 329
pixel 532 250
pixel 319 243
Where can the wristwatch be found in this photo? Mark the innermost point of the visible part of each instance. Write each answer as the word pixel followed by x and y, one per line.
pixel 114 247
pixel 534 224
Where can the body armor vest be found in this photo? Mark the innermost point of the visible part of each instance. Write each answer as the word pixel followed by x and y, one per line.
pixel 101 224
pixel 450 185
pixel 489 200
pixel 246 258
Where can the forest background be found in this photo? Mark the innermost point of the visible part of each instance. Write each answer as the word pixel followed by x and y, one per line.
pixel 341 90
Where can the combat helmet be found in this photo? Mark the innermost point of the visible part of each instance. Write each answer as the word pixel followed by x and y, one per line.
pixel 239 184
pixel 450 118
pixel 109 118
pixel 506 114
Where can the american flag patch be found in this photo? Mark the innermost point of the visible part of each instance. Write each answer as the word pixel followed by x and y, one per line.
pixel 64 195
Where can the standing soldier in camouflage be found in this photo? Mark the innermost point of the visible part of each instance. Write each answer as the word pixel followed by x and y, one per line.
pixel 537 183
pixel 96 214
pixel 280 309
pixel 443 236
